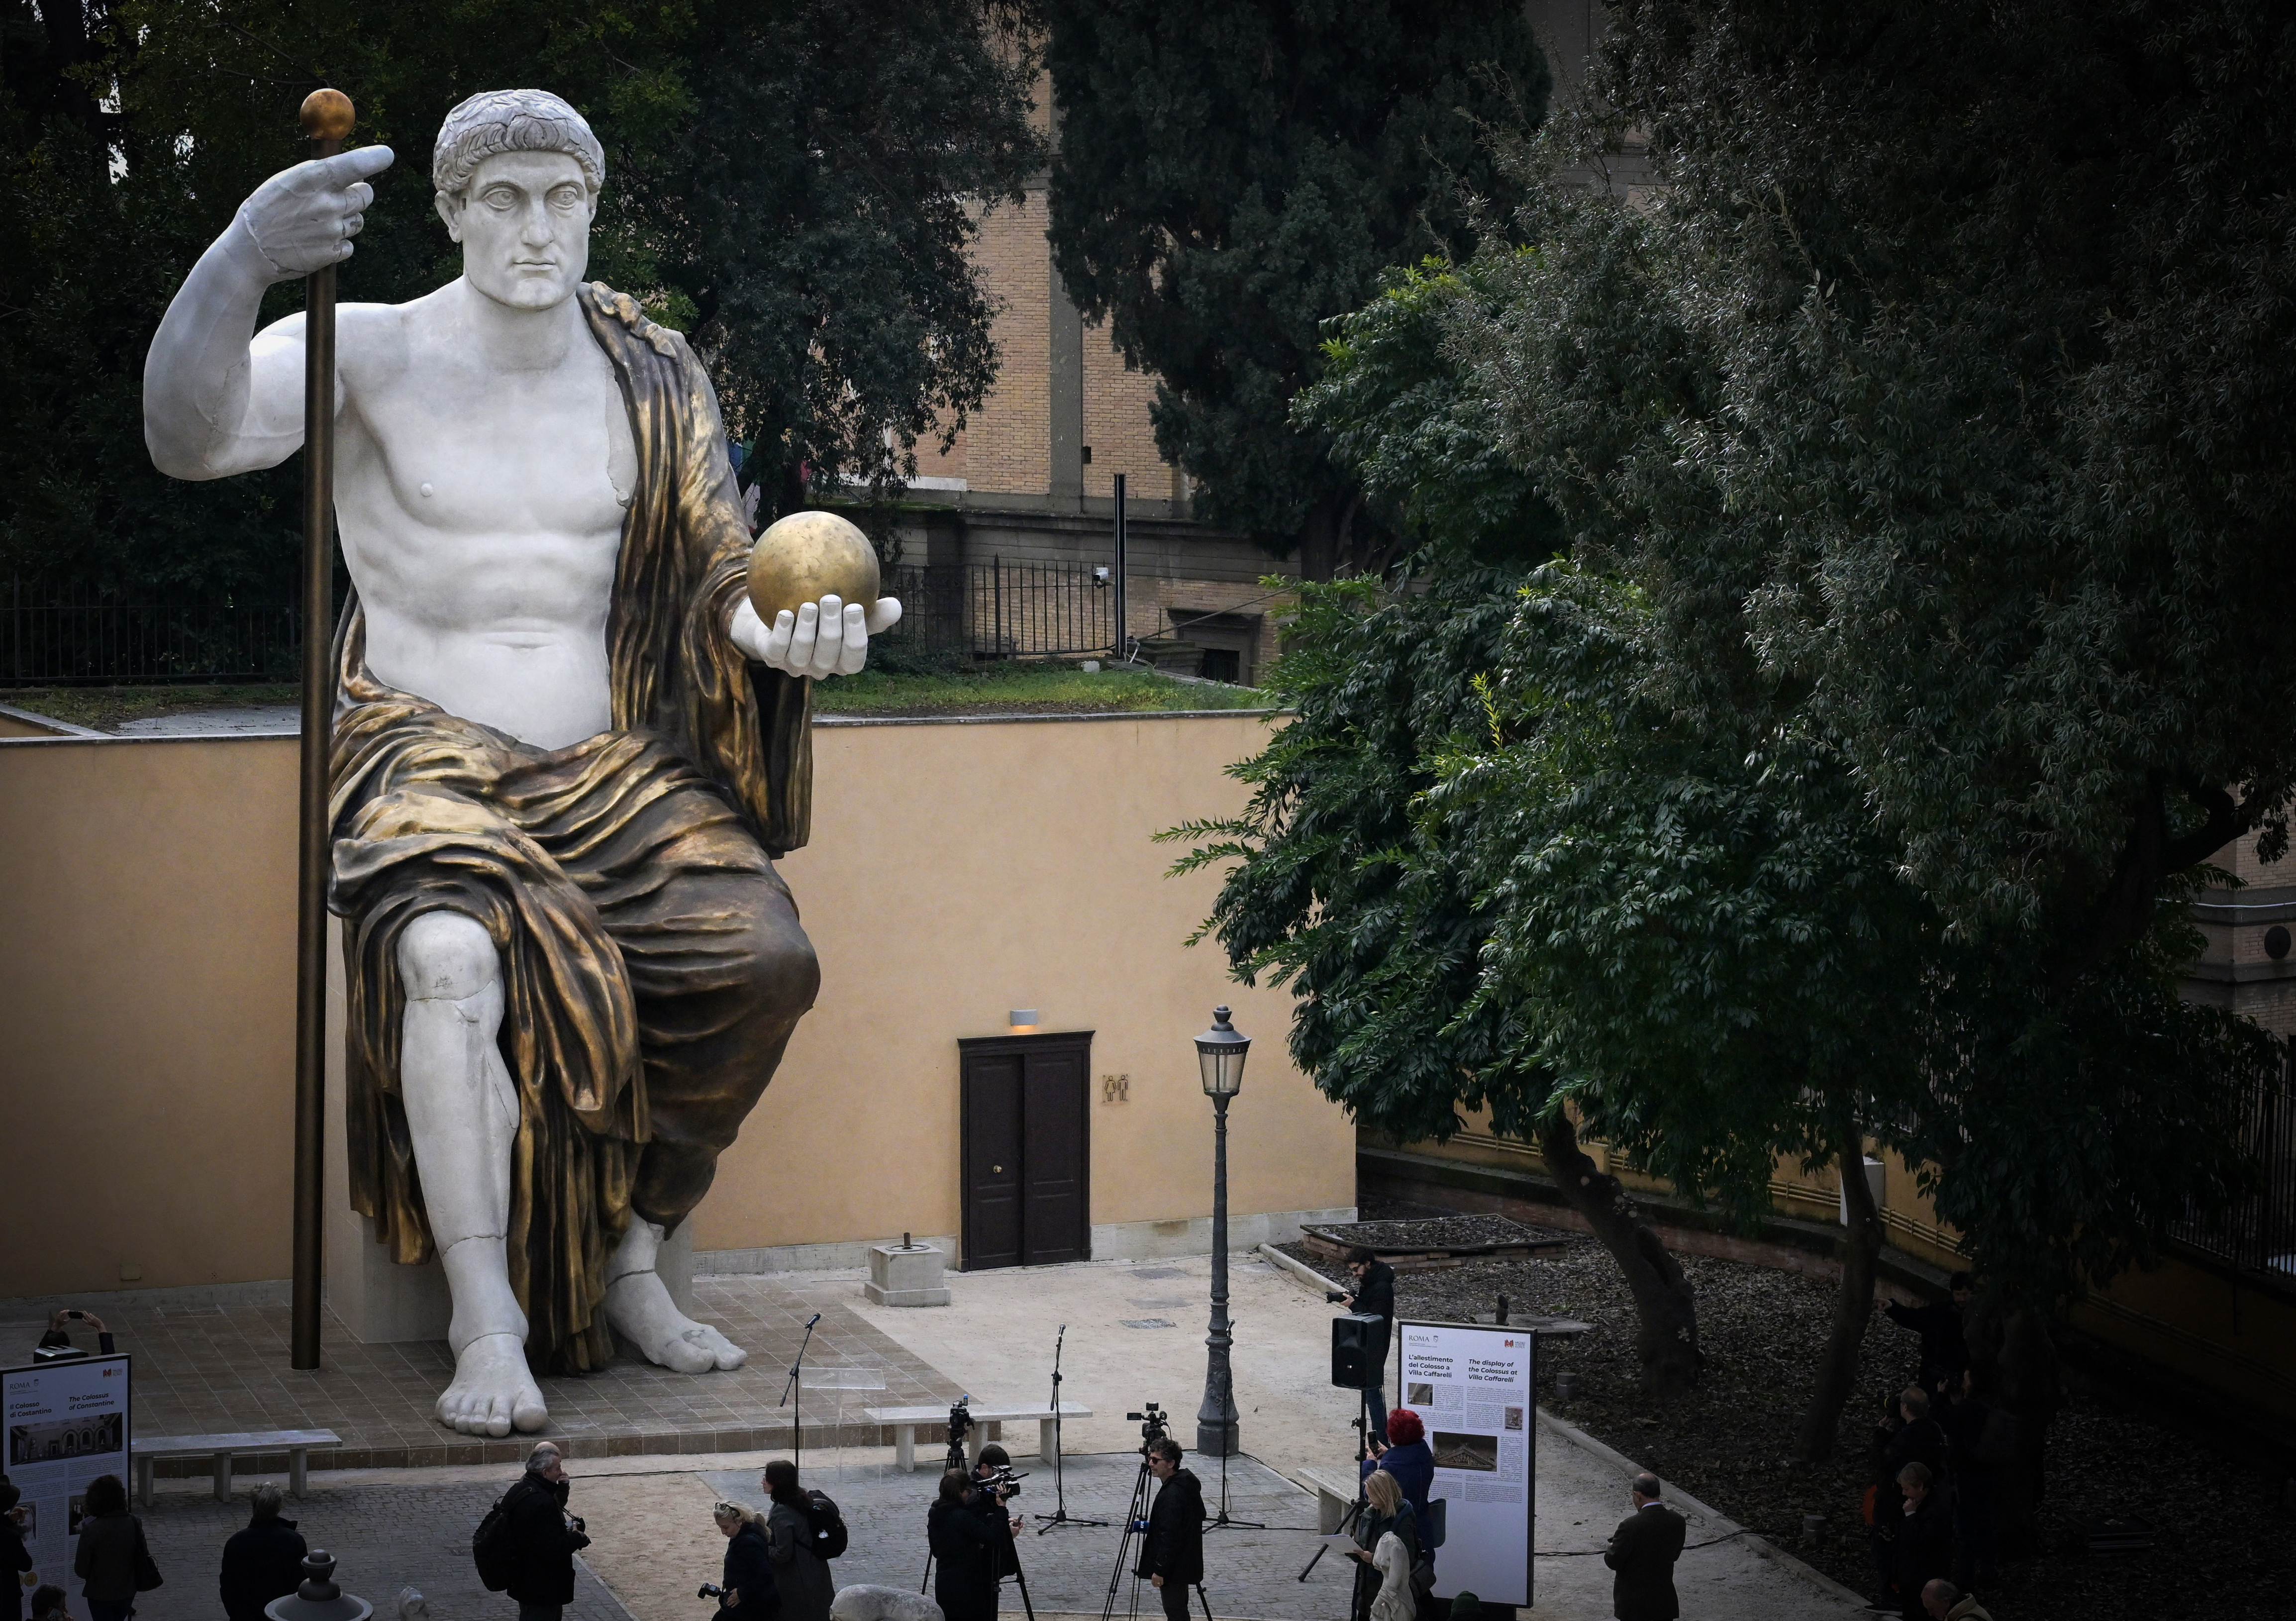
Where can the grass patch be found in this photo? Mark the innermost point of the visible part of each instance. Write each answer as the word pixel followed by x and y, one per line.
pixel 108 708
pixel 1048 688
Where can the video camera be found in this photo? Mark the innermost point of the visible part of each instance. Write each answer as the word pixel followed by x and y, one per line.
pixel 1155 1423
pixel 960 1419
pixel 1004 1483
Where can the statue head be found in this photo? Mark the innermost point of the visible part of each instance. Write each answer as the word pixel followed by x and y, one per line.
pixel 517 174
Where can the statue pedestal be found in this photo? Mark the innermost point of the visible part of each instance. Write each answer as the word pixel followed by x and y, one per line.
pixel 906 1275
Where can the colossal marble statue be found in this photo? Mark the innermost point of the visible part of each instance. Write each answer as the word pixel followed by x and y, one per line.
pixel 567 750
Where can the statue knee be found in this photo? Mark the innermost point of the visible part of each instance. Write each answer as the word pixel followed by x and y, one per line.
pixel 782 971
pixel 445 956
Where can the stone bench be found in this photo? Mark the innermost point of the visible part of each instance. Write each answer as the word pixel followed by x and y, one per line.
pixel 1335 1493
pixel 297 1444
pixel 987 1425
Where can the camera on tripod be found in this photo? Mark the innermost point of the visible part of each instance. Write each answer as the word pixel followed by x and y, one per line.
pixel 1155 1423
pixel 960 1419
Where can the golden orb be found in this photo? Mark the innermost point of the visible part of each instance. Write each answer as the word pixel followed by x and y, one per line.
pixel 805 557
pixel 328 115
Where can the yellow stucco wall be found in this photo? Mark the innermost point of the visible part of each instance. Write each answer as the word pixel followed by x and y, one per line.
pixel 957 871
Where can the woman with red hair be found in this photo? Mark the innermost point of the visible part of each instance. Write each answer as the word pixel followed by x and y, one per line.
pixel 1412 1461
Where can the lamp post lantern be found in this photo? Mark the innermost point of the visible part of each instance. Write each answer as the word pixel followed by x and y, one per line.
pixel 1219 1056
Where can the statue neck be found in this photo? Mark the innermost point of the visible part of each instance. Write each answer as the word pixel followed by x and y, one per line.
pixel 514 339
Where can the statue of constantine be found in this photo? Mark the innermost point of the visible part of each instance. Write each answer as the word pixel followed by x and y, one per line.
pixel 567 751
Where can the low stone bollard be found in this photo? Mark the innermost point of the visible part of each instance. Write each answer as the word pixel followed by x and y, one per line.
pixel 866 1602
pixel 905 1273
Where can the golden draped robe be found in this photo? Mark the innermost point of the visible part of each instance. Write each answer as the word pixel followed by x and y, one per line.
pixel 564 855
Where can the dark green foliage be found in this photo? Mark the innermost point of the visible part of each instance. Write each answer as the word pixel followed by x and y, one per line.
pixel 784 181
pixel 1229 176
pixel 1924 454
pixel 1948 400
pixel 1422 447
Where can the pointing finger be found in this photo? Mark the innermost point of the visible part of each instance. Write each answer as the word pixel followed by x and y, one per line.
pixel 344 169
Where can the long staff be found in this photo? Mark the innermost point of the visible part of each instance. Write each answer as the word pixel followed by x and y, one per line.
pixel 327 118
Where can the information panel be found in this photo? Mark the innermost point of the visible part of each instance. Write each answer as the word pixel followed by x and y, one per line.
pixel 66 1423
pixel 1474 1388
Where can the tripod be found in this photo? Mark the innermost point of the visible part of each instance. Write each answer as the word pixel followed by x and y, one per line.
pixel 1363 1451
pixel 1220 1521
pixel 1060 1515
pixel 1136 1517
pixel 960 1419
pixel 796 1386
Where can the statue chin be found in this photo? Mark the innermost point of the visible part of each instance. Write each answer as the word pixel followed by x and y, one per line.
pixel 514 290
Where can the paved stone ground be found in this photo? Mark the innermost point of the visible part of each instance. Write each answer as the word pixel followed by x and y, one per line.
pixel 383 1537
pixel 209 1369
pixel 1247 1572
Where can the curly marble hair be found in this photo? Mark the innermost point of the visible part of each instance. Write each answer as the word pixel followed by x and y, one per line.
pixel 512 121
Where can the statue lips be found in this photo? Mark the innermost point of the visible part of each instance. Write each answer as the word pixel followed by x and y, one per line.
pixel 806 556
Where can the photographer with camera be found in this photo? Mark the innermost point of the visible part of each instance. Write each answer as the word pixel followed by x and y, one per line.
pixel 967 1553
pixel 748 1592
pixel 1172 1552
pixel 1374 1296
pixel 543 1535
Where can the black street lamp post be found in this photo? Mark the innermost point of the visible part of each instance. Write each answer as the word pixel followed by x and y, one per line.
pixel 1219 1055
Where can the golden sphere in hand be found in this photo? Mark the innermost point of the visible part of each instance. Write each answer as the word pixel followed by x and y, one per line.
pixel 805 557
pixel 327 115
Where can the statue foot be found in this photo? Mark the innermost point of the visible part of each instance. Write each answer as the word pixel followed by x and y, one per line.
pixel 640 1308
pixel 493 1393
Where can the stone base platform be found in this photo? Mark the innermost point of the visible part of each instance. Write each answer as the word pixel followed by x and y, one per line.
pixel 208 1368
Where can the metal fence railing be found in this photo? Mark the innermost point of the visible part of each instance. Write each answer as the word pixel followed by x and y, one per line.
pixel 2258 1232
pixel 999 610
pixel 50 637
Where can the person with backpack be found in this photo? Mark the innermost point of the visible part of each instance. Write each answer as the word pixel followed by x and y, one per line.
pixel 526 1544
pixel 799 1531
pixel 750 1592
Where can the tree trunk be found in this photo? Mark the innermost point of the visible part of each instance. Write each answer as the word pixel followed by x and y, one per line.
pixel 1319 541
pixel 2032 1389
pixel 1853 1306
pixel 1664 1301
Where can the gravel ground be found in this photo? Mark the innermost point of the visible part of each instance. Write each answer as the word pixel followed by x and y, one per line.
pixel 1728 1444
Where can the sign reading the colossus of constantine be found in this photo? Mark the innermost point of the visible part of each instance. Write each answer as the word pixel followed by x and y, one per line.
pixel 1473 1389
pixel 66 1423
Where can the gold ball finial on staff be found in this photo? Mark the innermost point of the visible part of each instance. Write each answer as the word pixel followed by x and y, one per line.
pixel 328 115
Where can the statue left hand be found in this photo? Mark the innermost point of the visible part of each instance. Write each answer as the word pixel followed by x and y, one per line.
pixel 827 638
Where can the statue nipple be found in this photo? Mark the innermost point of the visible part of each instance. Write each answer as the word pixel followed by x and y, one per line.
pixel 426 489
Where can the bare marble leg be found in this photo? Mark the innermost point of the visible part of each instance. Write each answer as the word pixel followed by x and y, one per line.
pixel 462 1111
pixel 639 1306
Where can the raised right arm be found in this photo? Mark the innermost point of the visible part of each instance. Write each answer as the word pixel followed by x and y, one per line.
pixel 218 399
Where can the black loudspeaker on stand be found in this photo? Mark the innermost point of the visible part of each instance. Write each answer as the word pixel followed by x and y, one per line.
pixel 1354 1335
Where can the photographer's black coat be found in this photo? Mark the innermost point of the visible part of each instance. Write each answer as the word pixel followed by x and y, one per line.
pixel 965 1549
pixel 1173 1547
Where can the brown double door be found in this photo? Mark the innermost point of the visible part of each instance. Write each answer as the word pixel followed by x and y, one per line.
pixel 1028 1150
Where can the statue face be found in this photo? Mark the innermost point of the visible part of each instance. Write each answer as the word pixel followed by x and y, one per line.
pixel 524 223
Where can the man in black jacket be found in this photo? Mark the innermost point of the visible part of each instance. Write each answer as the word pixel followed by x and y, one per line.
pixel 1945 1347
pixel 1924 1538
pixel 1375 1297
pixel 1172 1553
pixel 545 1535
pixel 263 1562
pixel 1643 1550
